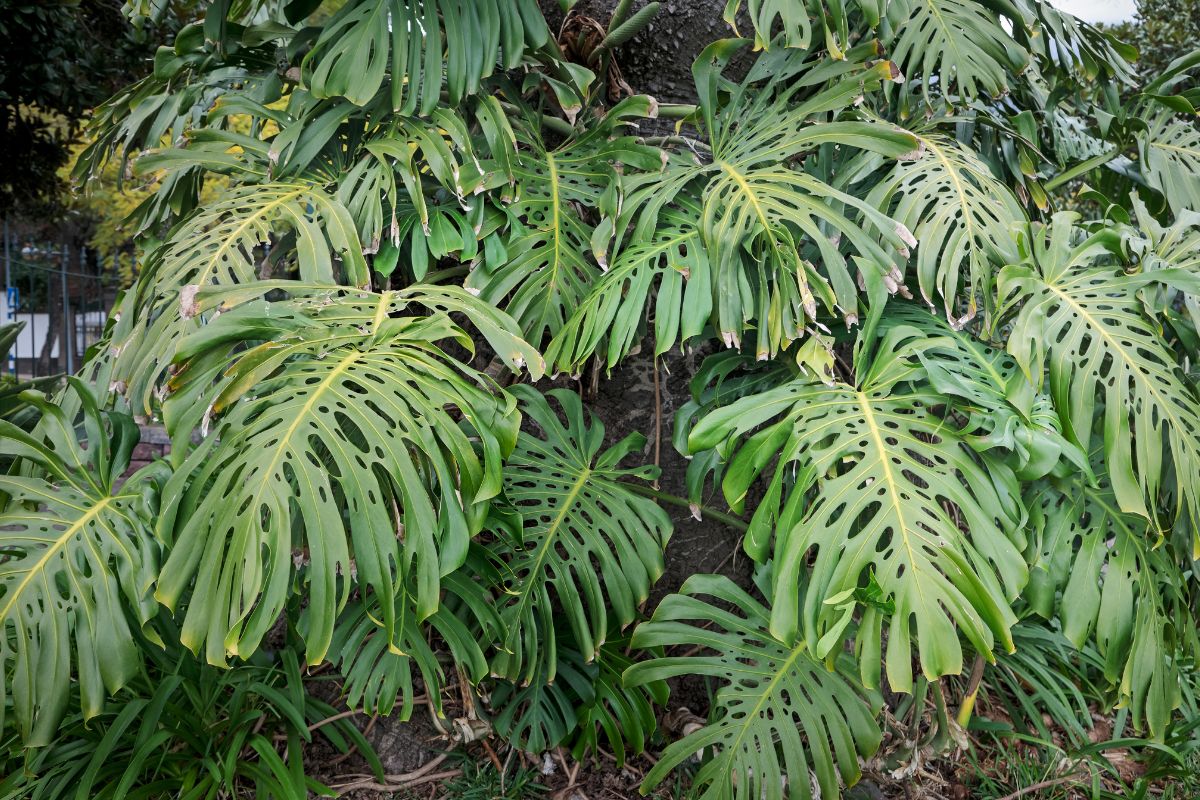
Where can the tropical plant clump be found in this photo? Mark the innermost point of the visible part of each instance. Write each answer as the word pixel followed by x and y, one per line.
pixel 962 422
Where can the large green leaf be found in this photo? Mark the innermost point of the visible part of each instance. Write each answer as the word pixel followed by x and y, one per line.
pixel 378 672
pixel 961 216
pixel 956 48
pixel 778 235
pixel 588 549
pixel 779 719
pixel 77 559
pixel 610 317
pixel 587 701
pixel 1170 150
pixel 409 151
pixel 187 83
pixel 790 17
pixel 427 45
pixel 777 238
pixel 546 264
pixel 1101 572
pixel 875 485
pixel 987 385
pixel 1173 247
pixel 542 714
pixel 1079 319
pixel 220 245
pixel 347 439
pixel 623 714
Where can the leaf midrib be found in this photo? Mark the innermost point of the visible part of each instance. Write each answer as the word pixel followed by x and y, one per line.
pixel 551 534
pixel 58 545
pixel 889 477
pixel 752 717
pixel 234 238
pixel 1167 408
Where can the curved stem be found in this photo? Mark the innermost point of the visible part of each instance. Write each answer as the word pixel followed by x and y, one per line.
pixel 676 500
pixel 680 140
pixel 676 110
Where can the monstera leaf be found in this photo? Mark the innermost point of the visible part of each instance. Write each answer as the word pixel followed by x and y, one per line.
pixel 587 548
pixel 77 559
pixel 610 316
pixel 546 264
pixel 779 719
pixel 767 223
pixel 623 715
pixel 218 246
pixel 1170 150
pixel 346 440
pixel 1100 570
pixel 874 486
pixel 956 48
pixel 418 48
pixel 789 16
pixel 986 384
pixel 378 672
pixel 1174 247
pixel 961 215
pixel 1079 319
pixel 542 714
pixel 744 222
pixel 587 701
pixel 410 151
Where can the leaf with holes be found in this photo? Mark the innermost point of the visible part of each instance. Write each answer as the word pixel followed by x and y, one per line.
pixel 549 263
pixel 587 549
pixel 347 439
pixel 1098 570
pixel 220 246
pixel 780 718
pixel 1079 319
pixel 428 45
pixel 961 215
pixel 76 551
pixel 875 478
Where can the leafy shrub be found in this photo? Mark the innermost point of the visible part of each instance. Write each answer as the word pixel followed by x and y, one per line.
pixel 950 408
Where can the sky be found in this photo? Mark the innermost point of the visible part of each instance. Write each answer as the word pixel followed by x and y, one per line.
pixel 1099 10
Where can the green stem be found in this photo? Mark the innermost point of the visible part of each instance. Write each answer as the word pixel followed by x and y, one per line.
pixel 676 110
pixel 941 738
pixel 559 126
pixel 675 500
pixel 968 705
pixel 680 140
pixel 1081 168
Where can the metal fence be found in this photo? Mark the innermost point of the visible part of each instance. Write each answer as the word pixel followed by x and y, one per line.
pixel 62 297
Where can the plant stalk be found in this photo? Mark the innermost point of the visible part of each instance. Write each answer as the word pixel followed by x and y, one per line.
pixel 675 500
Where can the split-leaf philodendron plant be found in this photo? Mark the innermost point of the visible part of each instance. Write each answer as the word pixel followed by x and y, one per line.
pixel 943 257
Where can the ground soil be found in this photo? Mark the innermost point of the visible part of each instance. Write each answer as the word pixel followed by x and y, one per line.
pixel 658 61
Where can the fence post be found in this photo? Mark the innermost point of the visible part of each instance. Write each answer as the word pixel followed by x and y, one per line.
pixel 65 342
pixel 10 311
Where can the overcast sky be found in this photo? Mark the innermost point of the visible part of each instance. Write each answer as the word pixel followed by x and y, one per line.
pixel 1099 10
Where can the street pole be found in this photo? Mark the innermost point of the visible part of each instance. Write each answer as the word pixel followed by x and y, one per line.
pixel 10 311
pixel 65 343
